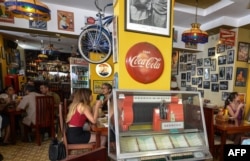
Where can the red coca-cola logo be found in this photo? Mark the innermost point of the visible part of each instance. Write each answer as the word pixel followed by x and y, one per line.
pixel 144 62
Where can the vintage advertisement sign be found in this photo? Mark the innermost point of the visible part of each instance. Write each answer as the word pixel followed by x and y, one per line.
pixel 227 37
pixel 144 62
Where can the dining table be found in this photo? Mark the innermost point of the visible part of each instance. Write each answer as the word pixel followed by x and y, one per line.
pixel 232 127
pixel 101 129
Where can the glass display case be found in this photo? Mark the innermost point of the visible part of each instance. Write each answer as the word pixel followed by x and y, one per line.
pixel 157 125
pixel 79 73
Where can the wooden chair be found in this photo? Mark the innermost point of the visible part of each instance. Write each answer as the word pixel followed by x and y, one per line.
pixel 99 154
pixel 69 147
pixel 44 117
pixel 213 140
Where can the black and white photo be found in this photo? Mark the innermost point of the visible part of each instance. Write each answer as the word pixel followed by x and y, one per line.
pixel 220 48
pixel 229 73
pixel 206 84
pixel 199 71
pixel 221 73
pixel 214 77
pixel 149 16
pixel 199 82
pixel 223 85
pixel 199 62
pixel 206 73
pixel 230 56
pixel 222 60
pixel 213 65
pixel 207 62
pixel 211 51
pixel 215 87
pixel 193 70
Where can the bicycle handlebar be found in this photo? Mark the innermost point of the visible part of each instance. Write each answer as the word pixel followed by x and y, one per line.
pixel 96 5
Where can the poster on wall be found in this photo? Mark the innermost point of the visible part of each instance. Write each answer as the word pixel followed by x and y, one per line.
pixel 65 20
pixel 241 77
pixel 5 15
pixel 175 63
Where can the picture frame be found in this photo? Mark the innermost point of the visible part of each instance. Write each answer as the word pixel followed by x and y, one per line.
pixel 215 87
pixel 175 63
pixel 199 62
pixel 206 73
pixel 229 73
pixel 222 60
pixel 225 96
pixel 214 77
pixel 242 97
pixel 211 51
pixel 206 84
pixel 213 65
pixel 241 77
pixel 151 24
pixel 223 85
pixel 38 24
pixel 243 51
pixel 207 62
pixel 221 73
pixel 230 57
pixel 97 85
pixel 65 20
pixel 220 48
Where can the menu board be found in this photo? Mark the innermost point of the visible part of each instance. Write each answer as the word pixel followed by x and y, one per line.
pixel 128 144
pixel 146 143
pixel 163 142
pixel 179 141
pixel 193 139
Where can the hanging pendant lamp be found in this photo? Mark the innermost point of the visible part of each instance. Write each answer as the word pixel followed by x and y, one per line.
pixel 195 35
pixel 28 9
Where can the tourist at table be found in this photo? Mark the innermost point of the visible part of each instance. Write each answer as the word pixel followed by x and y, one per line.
pixel 28 103
pixel 45 89
pixel 79 113
pixel 104 96
pixel 235 110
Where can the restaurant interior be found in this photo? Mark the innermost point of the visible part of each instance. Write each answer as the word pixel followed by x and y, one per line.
pixel 209 60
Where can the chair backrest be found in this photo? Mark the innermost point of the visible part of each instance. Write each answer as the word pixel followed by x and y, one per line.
pixel 44 111
pixel 62 123
pixel 209 121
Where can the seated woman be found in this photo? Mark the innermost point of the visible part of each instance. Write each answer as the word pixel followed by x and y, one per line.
pixel 235 111
pixel 79 113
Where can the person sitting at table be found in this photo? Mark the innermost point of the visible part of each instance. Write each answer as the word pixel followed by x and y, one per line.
pixel 45 89
pixel 235 111
pixel 28 103
pixel 4 123
pixel 79 113
pixel 104 96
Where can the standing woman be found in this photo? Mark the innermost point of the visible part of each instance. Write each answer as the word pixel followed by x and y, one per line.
pixel 79 113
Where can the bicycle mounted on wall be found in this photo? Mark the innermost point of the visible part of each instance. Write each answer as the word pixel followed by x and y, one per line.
pixel 95 41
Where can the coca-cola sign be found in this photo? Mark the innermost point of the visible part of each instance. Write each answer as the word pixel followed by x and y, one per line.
pixel 144 62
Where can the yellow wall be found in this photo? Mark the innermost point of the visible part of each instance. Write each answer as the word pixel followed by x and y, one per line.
pixel 3 61
pixel 243 37
pixel 127 39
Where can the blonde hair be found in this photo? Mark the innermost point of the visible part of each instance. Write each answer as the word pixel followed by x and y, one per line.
pixel 82 98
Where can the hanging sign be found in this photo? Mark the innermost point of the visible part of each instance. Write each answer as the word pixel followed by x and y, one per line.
pixel 227 37
pixel 144 62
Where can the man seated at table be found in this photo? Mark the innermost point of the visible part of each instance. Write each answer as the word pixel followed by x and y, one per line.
pixel 28 103
pixel 45 89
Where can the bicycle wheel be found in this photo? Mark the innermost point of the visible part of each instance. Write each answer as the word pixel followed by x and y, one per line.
pixel 95 45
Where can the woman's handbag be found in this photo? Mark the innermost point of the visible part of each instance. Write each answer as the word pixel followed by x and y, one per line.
pixel 57 150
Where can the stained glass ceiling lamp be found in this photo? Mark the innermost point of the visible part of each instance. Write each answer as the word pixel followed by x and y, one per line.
pixel 195 35
pixel 28 9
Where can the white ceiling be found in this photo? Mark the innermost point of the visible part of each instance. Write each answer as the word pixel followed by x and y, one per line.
pixel 235 13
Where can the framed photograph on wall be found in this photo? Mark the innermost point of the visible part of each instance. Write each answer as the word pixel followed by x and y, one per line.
pixel 230 56
pixel 220 48
pixel 221 73
pixel 241 77
pixel 214 77
pixel 229 73
pixel 207 62
pixel 97 85
pixel 222 60
pixel 213 65
pixel 206 73
pixel 211 51
pixel 175 63
pixel 215 87
pixel 148 21
pixel 223 85
pixel 243 51
pixel 206 84
pixel 225 95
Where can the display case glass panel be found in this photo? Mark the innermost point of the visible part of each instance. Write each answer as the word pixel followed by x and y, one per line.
pixel 161 125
